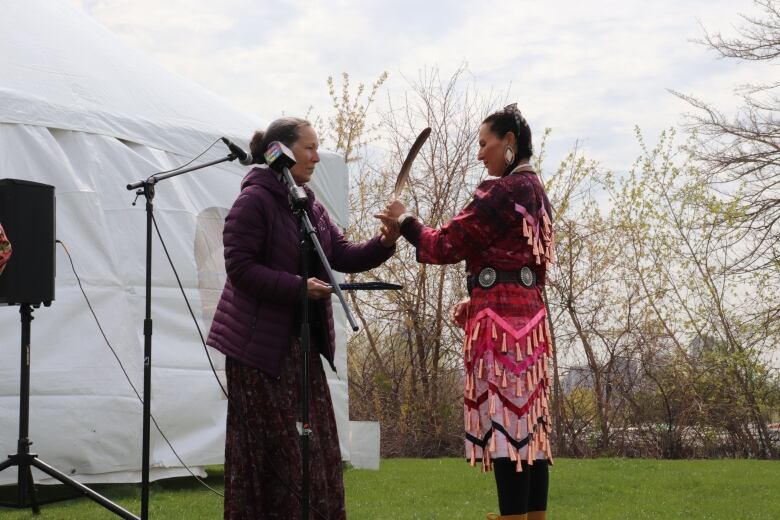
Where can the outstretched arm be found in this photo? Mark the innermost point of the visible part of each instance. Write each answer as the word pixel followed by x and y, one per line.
pixel 351 257
pixel 477 226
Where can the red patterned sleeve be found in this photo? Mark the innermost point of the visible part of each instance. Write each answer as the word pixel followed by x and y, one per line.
pixel 5 249
pixel 485 218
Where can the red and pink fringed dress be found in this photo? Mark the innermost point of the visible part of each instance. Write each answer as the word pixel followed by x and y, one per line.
pixel 506 226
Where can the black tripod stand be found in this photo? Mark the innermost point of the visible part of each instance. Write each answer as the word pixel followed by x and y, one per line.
pixel 25 460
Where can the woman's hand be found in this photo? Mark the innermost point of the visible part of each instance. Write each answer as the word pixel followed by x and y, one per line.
pixel 390 229
pixel 395 209
pixel 458 313
pixel 317 289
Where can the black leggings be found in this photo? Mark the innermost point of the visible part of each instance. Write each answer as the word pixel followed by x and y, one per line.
pixel 519 493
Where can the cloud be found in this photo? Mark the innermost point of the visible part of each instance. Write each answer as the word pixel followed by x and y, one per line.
pixel 589 70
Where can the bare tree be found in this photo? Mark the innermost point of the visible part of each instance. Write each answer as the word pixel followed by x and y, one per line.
pixel 741 155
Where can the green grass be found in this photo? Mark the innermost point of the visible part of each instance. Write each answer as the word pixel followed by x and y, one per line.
pixel 579 489
pixel 449 489
pixel 178 498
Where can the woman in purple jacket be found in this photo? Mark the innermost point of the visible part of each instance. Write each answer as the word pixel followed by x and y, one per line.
pixel 256 326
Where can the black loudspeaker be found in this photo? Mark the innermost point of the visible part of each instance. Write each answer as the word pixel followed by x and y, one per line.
pixel 27 213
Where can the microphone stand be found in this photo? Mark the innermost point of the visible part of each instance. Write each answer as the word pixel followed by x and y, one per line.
pixel 298 202
pixel 146 188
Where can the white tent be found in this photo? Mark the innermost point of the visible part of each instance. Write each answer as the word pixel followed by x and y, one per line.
pixel 82 111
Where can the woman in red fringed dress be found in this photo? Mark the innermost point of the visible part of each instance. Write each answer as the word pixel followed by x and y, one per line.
pixel 505 236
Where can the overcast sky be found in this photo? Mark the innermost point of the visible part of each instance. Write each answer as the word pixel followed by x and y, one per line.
pixel 591 70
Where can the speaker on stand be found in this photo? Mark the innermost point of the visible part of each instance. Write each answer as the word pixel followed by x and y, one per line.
pixel 27 213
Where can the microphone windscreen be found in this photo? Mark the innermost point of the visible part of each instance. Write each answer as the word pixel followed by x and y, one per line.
pixel 278 156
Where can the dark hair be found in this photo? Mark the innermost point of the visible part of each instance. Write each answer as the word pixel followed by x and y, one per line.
pixel 509 119
pixel 284 130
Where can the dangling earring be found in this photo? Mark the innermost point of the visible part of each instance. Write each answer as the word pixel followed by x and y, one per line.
pixel 509 155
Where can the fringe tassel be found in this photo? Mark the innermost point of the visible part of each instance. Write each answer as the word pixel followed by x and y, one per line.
pixel 503 343
pixel 481 368
pixel 548 336
pixel 503 379
pixel 548 453
pixel 494 334
pixel 475 331
pixel 529 351
pixel 518 386
pixel 518 352
pixel 552 248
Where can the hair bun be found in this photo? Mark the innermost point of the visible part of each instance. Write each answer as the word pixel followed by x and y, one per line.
pixel 257 147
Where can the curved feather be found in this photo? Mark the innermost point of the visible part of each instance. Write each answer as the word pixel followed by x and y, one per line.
pixel 403 175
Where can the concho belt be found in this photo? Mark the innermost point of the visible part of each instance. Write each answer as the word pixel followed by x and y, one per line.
pixel 488 277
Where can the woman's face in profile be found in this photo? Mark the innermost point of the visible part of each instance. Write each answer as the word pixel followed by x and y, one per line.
pixel 491 151
pixel 306 156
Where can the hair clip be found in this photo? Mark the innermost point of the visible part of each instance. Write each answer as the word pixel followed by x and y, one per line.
pixel 519 119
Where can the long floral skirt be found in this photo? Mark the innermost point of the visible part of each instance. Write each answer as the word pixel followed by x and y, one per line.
pixel 263 448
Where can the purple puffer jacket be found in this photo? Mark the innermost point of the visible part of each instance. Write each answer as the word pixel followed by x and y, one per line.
pixel 255 316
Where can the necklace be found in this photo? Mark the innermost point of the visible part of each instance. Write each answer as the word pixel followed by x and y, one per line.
pixel 522 167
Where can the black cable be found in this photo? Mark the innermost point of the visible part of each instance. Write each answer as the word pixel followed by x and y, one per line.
pixel 187 163
pixel 249 428
pixel 100 327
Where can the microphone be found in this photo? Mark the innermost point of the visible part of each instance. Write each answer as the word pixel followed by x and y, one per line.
pixel 281 159
pixel 242 156
pixel 278 156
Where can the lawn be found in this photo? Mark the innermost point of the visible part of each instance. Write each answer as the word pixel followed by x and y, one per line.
pixel 449 489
